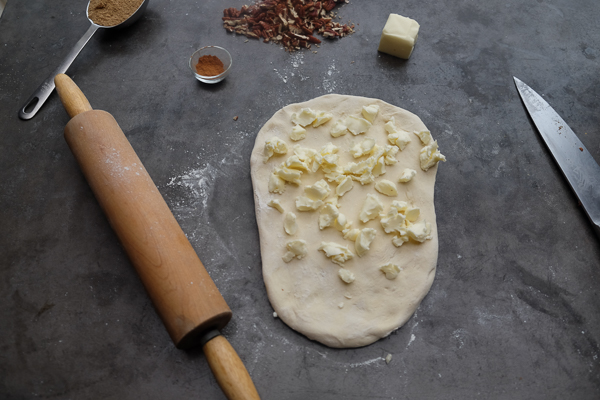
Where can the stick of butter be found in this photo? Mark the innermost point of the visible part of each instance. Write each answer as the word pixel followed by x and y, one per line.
pixel 399 36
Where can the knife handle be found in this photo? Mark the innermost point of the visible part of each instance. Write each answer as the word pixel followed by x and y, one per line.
pixel 597 231
pixel 230 372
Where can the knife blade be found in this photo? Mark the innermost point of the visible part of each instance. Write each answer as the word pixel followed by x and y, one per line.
pixel 576 163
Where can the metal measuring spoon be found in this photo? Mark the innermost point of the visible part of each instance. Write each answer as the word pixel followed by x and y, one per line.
pixel 39 97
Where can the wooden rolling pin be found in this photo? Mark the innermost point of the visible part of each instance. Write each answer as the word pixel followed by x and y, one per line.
pixel 184 295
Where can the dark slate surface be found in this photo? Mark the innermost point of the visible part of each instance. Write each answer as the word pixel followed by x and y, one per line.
pixel 514 310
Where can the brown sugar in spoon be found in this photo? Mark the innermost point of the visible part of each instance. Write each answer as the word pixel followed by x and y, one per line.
pixel 41 94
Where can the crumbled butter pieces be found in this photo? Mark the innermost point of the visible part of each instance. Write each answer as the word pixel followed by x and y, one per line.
pixel 347 277
pixel 396 136
pixel 276 184
pixel 363 148
pixel 407 175
pixel 296 249
pixel 389 153
pixel 333 201
pixel 370 112
pixel 294 162
pixel 400 206
pixel 357 125
pixel 298 133
pixel 335 176
pixel 366 170
pixel 364 240
pixel 420 231
pixel 289 174
pixel 303 203
pixel 358 168
pixel 274 146
pixel 425 137
pixel 399 138
pixel 379 168
pixel 344 186
pixel 305 117
pixel 399 240
pixel 336 252
pixel 307 156
pixel 341 222
pixel 390 126
pixel 327 158
pixel 412 213
pixel 377 152
pixel 371 208
pixel 276 205
pixel 390 270
pixel 351 234
pixel 328 148
pixel 304 153
pixel 430 156
pixel 399 36
pixel 401 220
pixel 338 129
pixel 318 191
pixel 329 165
pixel 289 224
pixel 386 187
pixel 327 216
pixel 393 221
pixel 322 117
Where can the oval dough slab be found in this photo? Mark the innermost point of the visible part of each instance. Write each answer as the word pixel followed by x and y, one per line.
pixel 308 294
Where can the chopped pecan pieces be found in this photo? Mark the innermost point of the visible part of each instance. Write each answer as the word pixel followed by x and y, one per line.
pixel 291 23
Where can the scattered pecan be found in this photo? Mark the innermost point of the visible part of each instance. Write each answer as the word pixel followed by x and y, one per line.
pixel 329 5
pixel 313 39
pixel 291 23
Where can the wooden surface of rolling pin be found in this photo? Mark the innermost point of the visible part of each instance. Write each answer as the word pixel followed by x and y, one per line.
pixel 181 290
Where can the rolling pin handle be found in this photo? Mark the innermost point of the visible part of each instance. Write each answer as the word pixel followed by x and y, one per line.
pixel 71 96
pixel 229 371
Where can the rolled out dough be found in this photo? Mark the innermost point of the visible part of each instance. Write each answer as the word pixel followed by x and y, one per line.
pixel 307 294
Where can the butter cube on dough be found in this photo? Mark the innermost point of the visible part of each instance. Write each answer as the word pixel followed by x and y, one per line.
pixel 399 36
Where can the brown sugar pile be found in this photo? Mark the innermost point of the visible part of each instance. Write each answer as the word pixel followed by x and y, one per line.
pixel 112 12
pixel 293 23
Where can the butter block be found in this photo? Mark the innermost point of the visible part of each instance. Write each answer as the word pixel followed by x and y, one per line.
pixel 399 36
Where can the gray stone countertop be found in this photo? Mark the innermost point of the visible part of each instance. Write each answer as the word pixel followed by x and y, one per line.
pixel 513 312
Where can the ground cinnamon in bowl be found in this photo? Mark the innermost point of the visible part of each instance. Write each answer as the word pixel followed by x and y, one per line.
pixel 209 66
pixel 112 12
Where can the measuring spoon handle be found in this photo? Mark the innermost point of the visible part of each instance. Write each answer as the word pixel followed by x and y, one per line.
pixel 39 97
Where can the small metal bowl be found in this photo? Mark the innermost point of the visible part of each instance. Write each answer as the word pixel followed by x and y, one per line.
pixel 217 51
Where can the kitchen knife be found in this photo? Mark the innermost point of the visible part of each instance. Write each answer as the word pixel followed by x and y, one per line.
pixel 576 163
pixel 184 295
